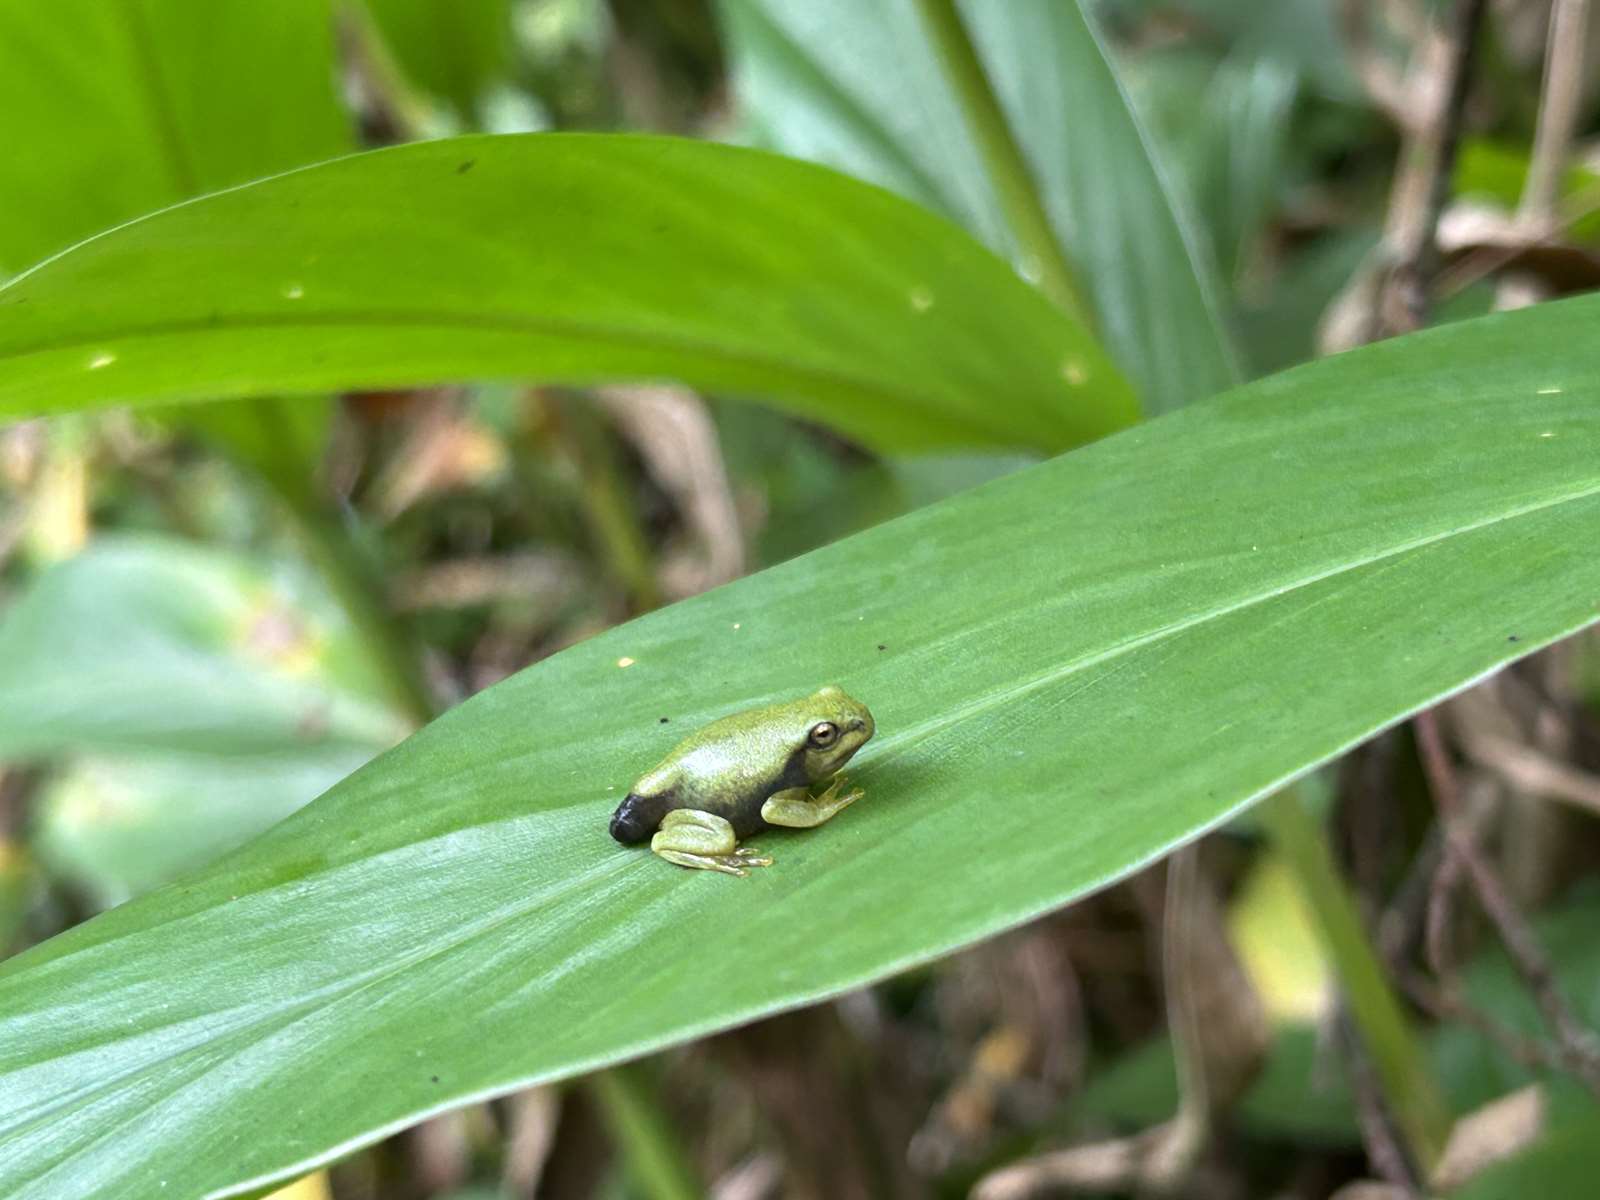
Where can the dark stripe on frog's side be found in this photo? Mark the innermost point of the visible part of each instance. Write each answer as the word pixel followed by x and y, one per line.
pixel 746 815
pixel 638 817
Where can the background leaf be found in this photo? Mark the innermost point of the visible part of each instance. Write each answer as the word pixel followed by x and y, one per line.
pixel 454 51
pixel 116 827
pixel 1224 128
pixel 243 663
pixel 113 108
pixel 192 699
pixel 566 259
pixel 1073 669
pixel 1301 36
pixel 857 86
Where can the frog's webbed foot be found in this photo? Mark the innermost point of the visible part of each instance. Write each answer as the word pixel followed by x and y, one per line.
pixel 835 803
pixel 799 809
pixel 705 842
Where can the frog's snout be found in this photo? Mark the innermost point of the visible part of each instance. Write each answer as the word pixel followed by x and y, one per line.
pixel 865 724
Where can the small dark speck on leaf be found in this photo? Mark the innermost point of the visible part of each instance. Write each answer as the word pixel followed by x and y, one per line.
pixel 881 646
pixel 466 166
pixel 1513 638
pixel 433 1079
pixel 664 720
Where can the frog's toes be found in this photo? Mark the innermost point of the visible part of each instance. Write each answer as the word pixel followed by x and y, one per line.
pixel 727 864
pixel 831 797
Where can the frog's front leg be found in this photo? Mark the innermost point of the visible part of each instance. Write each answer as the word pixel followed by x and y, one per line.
pixel 799 809
pixel 705 842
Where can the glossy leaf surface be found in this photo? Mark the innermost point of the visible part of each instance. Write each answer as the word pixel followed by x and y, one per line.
pixel 564 258
pixel 1073 669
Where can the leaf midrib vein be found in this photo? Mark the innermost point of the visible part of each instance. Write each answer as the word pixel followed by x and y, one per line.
pixel 1008 695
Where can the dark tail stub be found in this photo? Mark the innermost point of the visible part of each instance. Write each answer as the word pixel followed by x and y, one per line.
pixel 636 818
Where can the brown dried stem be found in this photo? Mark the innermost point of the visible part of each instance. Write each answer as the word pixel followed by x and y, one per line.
pixel 1576 1044
pixel 1560 106
pixel 1526 768
pixel 1381 1139
pixel 1430 162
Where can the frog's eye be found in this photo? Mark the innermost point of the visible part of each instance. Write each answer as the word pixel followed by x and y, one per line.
pixel 823 734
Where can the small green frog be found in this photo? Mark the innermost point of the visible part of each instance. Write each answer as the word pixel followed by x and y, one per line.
pixel 742 774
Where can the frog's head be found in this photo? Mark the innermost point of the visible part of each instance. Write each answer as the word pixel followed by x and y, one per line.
pixel 836 727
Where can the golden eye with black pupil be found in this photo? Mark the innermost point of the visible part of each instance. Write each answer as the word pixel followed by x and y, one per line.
pixel 823 734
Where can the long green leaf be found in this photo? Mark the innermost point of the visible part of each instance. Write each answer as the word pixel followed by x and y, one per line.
pixel 564 258
pixel 113 108
pixel 857 86
pixel 1073 669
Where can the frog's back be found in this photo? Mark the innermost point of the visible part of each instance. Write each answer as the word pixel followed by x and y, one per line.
pixel 729 768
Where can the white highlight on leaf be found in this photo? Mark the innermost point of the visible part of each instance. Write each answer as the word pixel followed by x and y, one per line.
pixel 103 359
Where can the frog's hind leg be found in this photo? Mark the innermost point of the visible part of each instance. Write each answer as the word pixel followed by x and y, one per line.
pixel 704 841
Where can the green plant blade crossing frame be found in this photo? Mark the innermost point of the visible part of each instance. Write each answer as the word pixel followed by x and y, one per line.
pixel 858 86
pixel 564 258
pixel 1073 669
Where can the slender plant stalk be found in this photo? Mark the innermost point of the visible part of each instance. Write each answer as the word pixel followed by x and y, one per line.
pixel 288 468
pixel 404 106
pixel 1413 1097
pixel 611 516
pixel 644 1135
pixel 357 588
pixel 1008 172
